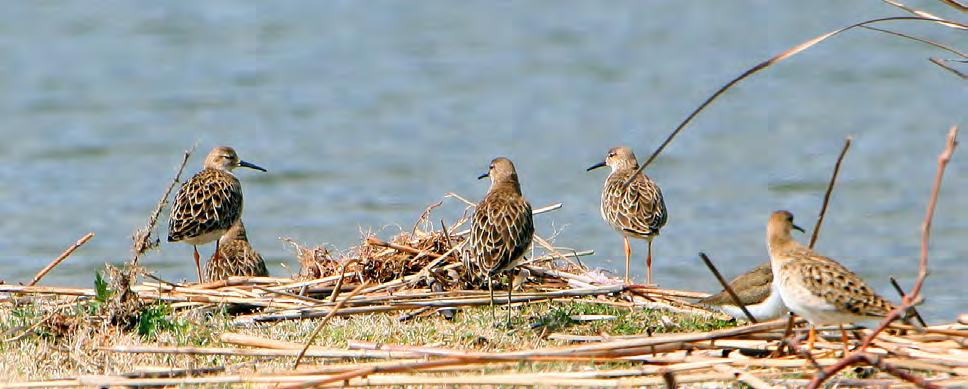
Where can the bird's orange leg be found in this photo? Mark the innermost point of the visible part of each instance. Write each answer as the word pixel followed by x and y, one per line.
pixel 843 336
pixel 628 260
pixel 648 265
pixel 198 266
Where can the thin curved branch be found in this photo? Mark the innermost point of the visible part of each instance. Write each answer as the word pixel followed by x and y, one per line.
pixel 922 40
pixel 773 60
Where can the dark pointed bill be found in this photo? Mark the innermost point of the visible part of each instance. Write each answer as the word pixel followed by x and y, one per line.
pixel 251 166
pixel 481 177
pixel 798 228
pixel 595 166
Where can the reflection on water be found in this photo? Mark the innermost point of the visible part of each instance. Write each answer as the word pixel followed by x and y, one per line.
pixel 364 113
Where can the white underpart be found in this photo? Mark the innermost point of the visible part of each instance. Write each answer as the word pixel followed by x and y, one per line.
pixel 207 237
pixel 768 309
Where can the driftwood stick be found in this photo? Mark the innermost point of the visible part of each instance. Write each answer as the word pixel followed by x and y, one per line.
pixel 830 189
pixel 70 250
pixel 914 296
pixel 729 290
pixel 342 276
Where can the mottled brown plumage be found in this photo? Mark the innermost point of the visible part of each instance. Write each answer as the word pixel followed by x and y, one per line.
pixel 502 227
pixel 815 287
pixel 209 203
pixel 635 210
pixel 236 257
pixel 206 206
pixel 754 290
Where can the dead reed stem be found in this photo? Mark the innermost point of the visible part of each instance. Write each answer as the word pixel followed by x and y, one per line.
pixel 60 258
pixel 142 238
pixel 830 189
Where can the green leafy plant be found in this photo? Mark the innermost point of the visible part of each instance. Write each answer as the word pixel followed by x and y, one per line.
pixel 101 290
pixel 154 319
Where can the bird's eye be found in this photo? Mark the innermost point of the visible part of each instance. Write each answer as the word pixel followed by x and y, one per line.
pixel 491 167
pixel 611 154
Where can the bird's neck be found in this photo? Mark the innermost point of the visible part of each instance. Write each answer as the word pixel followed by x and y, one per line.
pixel 624 171
pixel 509 184
pixel 237 232
pixel 779 244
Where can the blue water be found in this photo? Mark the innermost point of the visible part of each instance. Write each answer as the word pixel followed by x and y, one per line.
pixel 366 112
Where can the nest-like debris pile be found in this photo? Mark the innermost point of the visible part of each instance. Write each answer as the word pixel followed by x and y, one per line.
pixel 315 262
pixel 433 255
pixel 380 263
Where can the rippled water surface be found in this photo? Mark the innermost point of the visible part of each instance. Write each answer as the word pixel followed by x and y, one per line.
pixel 366 112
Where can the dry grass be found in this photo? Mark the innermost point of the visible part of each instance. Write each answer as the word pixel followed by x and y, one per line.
pixel 73 345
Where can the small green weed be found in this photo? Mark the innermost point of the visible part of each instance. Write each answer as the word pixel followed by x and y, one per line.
pixel 154 319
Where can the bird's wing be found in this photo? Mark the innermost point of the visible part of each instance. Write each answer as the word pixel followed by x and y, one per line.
pixel 501 232
pixel 210 201
pixel 838 286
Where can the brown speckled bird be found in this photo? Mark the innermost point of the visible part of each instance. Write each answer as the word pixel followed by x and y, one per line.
pixel 236 257
pixel 502 227
pixel 209 203
pixel 754 289
pixel 815 287
pixel 635 210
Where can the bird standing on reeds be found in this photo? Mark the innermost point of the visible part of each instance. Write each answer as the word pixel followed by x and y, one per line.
pixel 209 203
pixel 636 209
pixel 502 227
pixel 235 257
pixel 754 289
pixel 815 287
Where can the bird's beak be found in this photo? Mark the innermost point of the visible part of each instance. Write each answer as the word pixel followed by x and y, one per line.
pixel 595 166
pixel 481 177
pixel 798 228
pixel 251 166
